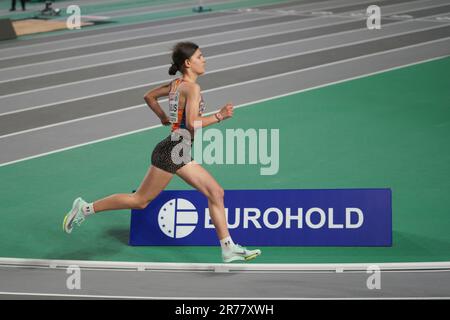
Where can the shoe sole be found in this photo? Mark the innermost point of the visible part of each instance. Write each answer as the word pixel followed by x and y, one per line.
pixel 238 258
pixel 65 226
pixel 253 256
pixel 234 259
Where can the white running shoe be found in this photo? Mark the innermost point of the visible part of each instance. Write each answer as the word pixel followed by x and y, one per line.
pixel 239 253
pixel 74 216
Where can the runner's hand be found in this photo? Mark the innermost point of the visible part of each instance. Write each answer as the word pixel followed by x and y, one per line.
pixel 227 111
pixel 165 121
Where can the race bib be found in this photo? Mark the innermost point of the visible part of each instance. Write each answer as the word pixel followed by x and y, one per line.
pixel 173 106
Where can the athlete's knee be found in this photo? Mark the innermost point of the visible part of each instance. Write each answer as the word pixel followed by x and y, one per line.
pixel 140 202
pixel 142 205
pixel 216 194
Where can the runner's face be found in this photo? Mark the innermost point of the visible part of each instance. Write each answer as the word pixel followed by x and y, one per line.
pixel 198 62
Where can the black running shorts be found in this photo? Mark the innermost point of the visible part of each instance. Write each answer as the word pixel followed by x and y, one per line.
pixel 162 154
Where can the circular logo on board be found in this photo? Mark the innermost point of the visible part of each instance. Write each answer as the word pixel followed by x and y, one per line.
pixel 177 218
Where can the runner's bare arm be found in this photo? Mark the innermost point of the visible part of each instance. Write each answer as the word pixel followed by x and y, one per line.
pixel 151 98
pixel 192 93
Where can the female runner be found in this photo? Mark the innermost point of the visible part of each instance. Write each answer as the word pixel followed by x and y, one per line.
pixel 186 109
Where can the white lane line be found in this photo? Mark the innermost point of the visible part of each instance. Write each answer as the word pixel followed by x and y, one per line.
pixel 147 28
pixel 350 18
pixel 313 7
pixel 49 267
pixel 88 37
pixel 138 37
pixel 32 294
pixel 346 17
pixel 163 42
pixel 212 71
pixel 209 298
pixel 281 32
pixel 80 145
pixel 237 14
pixel 238 106
pixel 139 86
pixel 162 33
pixel 185 266
pixel 214 89
pixel 167 79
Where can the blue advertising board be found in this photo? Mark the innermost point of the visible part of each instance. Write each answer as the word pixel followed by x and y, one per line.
pixel 330 217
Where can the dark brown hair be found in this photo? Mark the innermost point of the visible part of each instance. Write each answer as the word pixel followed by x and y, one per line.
pixel 180 52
